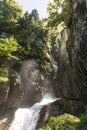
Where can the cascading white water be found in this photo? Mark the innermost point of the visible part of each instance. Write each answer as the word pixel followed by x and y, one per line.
pixel 26 118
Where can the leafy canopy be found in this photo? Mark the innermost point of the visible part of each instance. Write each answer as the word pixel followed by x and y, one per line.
pixel 58 11
pixel 7 46
pixel 10 12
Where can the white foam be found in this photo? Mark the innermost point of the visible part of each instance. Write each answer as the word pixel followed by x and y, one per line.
pixel 26 118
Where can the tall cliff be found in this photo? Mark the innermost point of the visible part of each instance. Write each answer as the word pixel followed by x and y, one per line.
pixel 72 74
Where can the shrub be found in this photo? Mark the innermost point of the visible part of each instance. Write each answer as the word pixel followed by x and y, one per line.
pixel 62 122
pixel 4 79
pixel 4 74
pixel 8 46
pixel 83 124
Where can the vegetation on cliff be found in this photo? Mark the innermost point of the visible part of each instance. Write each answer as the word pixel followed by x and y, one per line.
pixel 24 36
pixel 67 122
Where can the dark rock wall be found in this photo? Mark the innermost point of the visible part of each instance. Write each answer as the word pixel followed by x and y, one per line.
pixel 10 91
pixel 34 83
pixel 79 50
pixel 72 74
pixel 4 91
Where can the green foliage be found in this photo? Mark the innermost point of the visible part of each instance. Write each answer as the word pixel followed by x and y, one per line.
pixel 83 118
pixel 4 71
pixel 29 39
pixel 83 124
pixel 34 14
pixel 4 79
pixel 10 12
pixel 4 74
pixel 37 39
pixel 7 46
pixel 59 11
pixel 32 36
pixel 67 122
pixel 46 67
pixel 62 122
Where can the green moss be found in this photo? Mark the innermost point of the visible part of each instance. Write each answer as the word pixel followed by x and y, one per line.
pixel 46 67
pixel 4 74
pixel 4 71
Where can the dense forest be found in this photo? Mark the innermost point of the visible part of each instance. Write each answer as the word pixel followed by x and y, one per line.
pixel 60 39
pixel 23 35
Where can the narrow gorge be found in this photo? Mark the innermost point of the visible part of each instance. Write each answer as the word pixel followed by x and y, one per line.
pixel 47 75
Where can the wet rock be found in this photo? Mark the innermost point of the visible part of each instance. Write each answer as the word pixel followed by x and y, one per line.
pixel 71 81
pixel 44 116
pixel 30 83
pixel 34 83
pixel 4 91
pixel 57 108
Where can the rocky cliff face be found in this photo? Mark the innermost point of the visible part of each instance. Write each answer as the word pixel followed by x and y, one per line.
pixel 71 84
pixel 10 94
pixel 72 73
pixel 23 90
pixel 4 90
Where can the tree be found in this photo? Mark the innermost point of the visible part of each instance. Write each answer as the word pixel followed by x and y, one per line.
pixel 58 11
pixel 31 35
pixel 10 12
pixel 8 46
pixel 34 14
pixel 58 18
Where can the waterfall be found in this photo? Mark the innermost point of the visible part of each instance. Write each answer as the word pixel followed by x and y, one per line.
pixel 26 118
pixel 55 67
